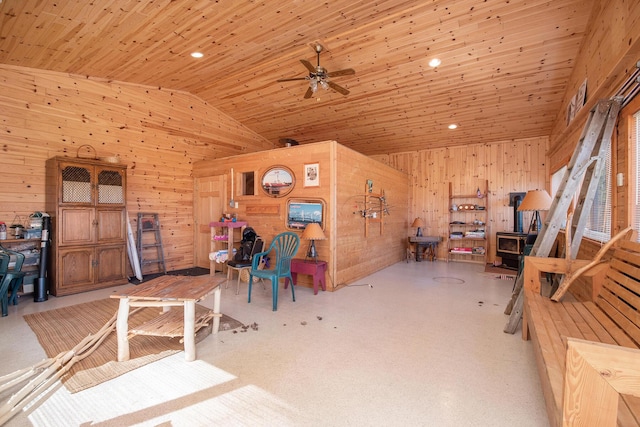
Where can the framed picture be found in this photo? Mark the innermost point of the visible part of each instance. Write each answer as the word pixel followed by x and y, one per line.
pixel 581 97
pixel 312 175
pixel 571 109
pixel 278 181
pixel 300 213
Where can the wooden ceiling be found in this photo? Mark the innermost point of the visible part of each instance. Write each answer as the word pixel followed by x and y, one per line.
pixel 505 63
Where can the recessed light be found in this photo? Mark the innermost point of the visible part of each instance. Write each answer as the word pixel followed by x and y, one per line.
pixel 434 62
pixel 453 126
pixel 197 54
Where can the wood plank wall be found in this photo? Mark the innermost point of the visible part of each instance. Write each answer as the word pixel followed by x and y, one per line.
pixel 608 55
pixel 609 52
pixel 509 166
pixel 357 255
pixel 267 214
pixel 343 175
pixel 158 133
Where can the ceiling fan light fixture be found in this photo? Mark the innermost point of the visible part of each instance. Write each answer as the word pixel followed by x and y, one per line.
pixel 320 76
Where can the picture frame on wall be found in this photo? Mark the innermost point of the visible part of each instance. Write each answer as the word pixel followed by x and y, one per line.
pixel 312 175
pixel 302 212
pixel 278 181
pixel 581 96
pixel 571 109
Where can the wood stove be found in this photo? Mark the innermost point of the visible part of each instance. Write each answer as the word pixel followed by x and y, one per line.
pixel 509 247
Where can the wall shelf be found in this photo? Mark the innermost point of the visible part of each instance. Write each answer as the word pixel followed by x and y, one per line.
pixel 468 225
pixel 222 238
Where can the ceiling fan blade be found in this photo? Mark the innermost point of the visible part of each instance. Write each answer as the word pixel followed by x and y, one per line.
pixel 292 79
pixel 345 72
pixel 308 94
pixel 338 88
pixel 308 65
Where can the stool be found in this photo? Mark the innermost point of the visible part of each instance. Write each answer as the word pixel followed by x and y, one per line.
pixel 315 269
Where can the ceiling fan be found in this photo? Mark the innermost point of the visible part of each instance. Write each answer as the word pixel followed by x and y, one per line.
pixel 320 77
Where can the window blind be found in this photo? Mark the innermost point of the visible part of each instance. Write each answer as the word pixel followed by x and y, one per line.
pixel 635 143
pixel 599 220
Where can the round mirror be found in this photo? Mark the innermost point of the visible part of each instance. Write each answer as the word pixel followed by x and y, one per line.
pixel 278 181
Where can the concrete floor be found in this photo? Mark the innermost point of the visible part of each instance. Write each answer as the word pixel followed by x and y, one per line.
pixel 417 344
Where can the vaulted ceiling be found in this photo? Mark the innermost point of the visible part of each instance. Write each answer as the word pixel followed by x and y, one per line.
pixel 505 63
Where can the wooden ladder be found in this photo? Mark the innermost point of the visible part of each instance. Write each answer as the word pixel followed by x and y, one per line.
pixel 584 171
pixel 149 222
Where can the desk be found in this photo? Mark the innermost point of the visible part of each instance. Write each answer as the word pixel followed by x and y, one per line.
pixel 317 270
pixel 167 292
pixel 428 244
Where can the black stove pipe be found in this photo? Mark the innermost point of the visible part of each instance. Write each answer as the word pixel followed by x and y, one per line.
pixel 40 291
pixel 517 215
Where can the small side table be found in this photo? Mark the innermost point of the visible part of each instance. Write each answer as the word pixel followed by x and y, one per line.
pixel 428 244
pixel 317 270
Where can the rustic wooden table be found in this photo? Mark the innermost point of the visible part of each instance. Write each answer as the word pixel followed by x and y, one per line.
pixel 167 292
pixel 428 244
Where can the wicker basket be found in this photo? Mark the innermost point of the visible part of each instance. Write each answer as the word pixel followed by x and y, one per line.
pixel 110 159
pixel 86 151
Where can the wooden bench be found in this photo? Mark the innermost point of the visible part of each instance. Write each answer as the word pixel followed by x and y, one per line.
pixel 612 318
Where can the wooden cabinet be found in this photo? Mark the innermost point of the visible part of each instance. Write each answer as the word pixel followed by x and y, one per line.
pixel 468 227
pixel 86 201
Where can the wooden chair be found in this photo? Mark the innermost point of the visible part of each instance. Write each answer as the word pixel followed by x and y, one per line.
pixel 10 279
pixel 285 245
pixel 240 266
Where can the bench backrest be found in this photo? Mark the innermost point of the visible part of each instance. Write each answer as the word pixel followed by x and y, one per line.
pixel 619 296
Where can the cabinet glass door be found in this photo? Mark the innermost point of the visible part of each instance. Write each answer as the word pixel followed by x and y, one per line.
pixel 110 187
pixel 76 185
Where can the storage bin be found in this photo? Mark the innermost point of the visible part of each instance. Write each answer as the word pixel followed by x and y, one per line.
pixel 33 233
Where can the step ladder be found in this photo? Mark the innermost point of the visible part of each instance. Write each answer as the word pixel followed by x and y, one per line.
pixel 150 250
pixel 583 173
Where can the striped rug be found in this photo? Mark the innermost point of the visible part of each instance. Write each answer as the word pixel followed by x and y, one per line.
pixel 61 329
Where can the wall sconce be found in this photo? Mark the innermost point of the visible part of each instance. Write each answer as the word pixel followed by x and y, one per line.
pixel 313 232
pixel 418 223
pixel 535 201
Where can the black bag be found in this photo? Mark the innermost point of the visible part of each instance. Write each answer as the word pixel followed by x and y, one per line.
pixel 246 245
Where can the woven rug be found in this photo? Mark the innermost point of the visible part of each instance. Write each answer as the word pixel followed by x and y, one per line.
pixel 490 268
pixel 61 329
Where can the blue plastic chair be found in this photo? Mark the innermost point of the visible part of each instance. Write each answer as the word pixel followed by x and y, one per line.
pixel 10 279
pixel 285 246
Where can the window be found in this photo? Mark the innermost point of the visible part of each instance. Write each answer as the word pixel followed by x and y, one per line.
pixel 247 184
pixel 556 180
pixel 635 184
pixel 598 225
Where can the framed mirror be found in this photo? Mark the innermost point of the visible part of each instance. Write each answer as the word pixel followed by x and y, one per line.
pixel 278 181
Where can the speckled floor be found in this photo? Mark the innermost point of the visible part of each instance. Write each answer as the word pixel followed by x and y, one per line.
pixel 418 344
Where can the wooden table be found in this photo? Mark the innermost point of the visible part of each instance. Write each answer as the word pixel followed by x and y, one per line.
pixel 428 244
pixel 315 269
pixel 167 292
